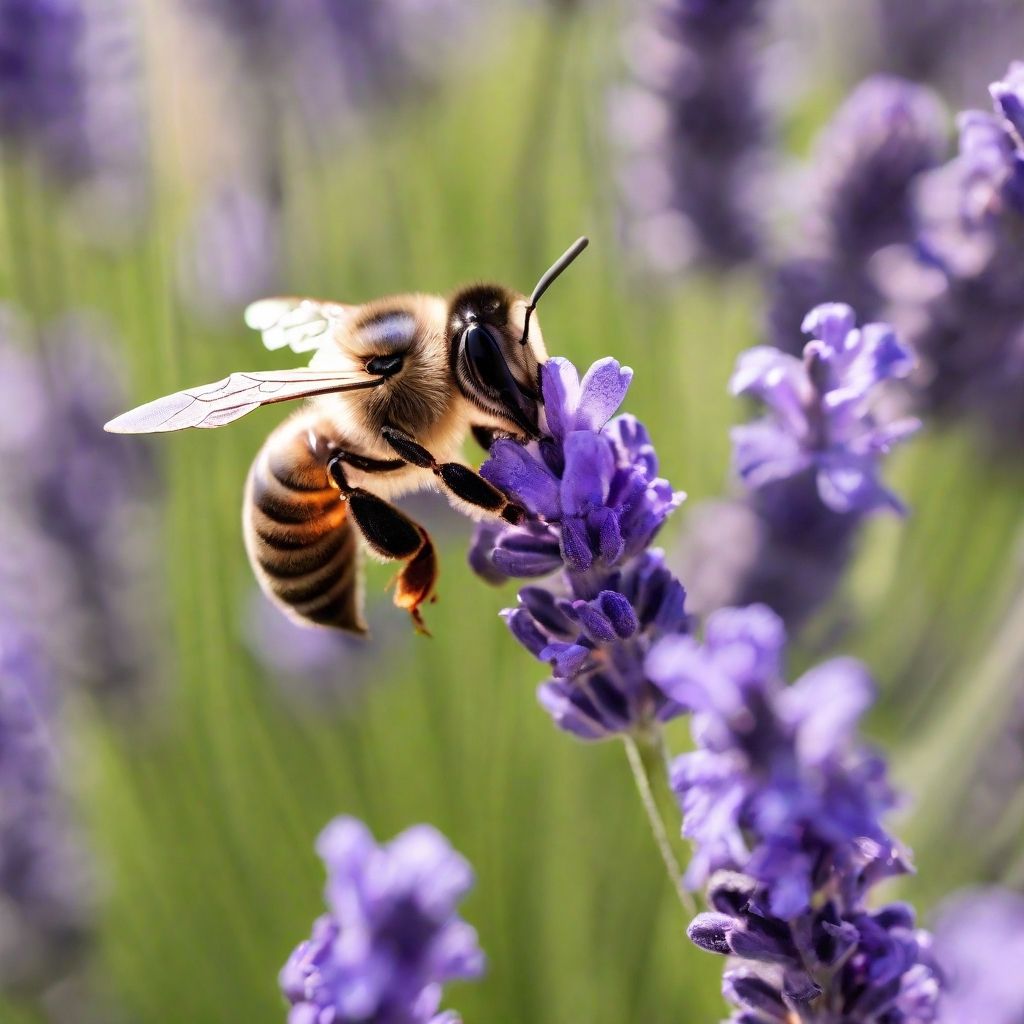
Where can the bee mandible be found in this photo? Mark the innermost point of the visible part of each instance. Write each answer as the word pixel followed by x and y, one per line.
pixel 391 391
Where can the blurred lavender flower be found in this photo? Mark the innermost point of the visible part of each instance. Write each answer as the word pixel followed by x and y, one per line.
pixel 45 909
pixel 811 467
pixel 596 502
pixel 963 309
pixel 785 808
pixel 693 131
pixel 392 936
pixel 232 255
pixel 81 505
pixel 979 943
pixel 71 91
pixel 866 162
pixel 338 61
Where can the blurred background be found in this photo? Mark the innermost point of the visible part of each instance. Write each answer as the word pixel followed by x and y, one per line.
pixel 163 164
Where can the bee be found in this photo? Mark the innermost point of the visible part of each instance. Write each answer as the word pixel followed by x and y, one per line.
pixel 391 391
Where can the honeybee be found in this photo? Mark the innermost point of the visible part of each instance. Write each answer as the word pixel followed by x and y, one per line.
pixel 392 389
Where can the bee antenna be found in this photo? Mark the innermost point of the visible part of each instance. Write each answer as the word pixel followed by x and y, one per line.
pixel 550 276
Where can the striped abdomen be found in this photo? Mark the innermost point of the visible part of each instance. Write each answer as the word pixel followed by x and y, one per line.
pixel 300 541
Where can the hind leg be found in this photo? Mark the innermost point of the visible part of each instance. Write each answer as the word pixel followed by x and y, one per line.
pixel 393 536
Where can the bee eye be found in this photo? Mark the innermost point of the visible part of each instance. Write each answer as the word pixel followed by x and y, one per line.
pixel 384 366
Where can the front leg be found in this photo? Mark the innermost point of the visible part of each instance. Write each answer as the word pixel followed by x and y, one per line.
pixel 392 536
pixel 463 482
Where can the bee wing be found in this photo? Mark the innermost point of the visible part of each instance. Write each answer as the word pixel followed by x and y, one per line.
pixel 213 405
pixel 303 325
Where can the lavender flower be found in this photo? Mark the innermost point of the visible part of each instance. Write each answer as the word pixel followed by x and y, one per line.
pixel 785 808
pixel 693 129
pixel 45 909
pixel 339 61
pixel 979 943
pixel 81 505
pixel 70 91
pixel 967 317
pixel 596 504
pixel 811 467
pixel 392 936
pixel 865 165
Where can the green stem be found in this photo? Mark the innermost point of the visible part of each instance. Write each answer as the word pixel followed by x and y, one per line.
pixel 646 755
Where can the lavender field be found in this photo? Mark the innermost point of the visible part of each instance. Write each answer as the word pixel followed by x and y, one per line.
pixel 721 716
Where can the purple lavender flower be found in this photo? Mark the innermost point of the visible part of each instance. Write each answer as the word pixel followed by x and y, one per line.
pixel 40 83
pixel 45 905
pixel 78 508
pixel 866 162
pixel 784 806
pixel 392 936
pixel 693 130
pixel 964 307
pixel 811 468
pixel 70 91
pixel 337 62
pixel 596 503
pixel 820 420
pixel 979 943
pixel 777 788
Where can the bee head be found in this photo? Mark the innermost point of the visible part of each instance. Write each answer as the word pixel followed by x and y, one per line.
pixel 492 368
pixel 496 347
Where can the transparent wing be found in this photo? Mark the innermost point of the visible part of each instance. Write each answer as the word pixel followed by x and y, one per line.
pixel 302 325
pixel 213 405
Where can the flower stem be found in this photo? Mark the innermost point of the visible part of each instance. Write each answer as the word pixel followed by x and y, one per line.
pixel 647 760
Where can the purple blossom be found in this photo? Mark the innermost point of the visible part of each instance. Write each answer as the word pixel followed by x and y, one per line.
pixel 820 419
pixel 77 506
pixel 693 129
pixel 596 503
pixel 70 92
pixel 337 62
pixel 811 469
pixel 392 936
pixel 778 787
pixel 863 171
pixel 45 903
pixel 963 304
pixel 979 943
pixel 784 806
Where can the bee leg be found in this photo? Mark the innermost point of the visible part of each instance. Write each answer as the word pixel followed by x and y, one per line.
pixel 463 482
pixel 393 536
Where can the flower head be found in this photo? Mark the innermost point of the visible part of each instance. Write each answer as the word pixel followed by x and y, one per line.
pixel 392 936
pixel 692 129
pixel 865 167
pixel 45 900
pixel 80 502
pixel 784 806
pixel 960 292
pixel 820 418
pixel 596 503
pixel 992 151
pixel 591 485
pixel 778 786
